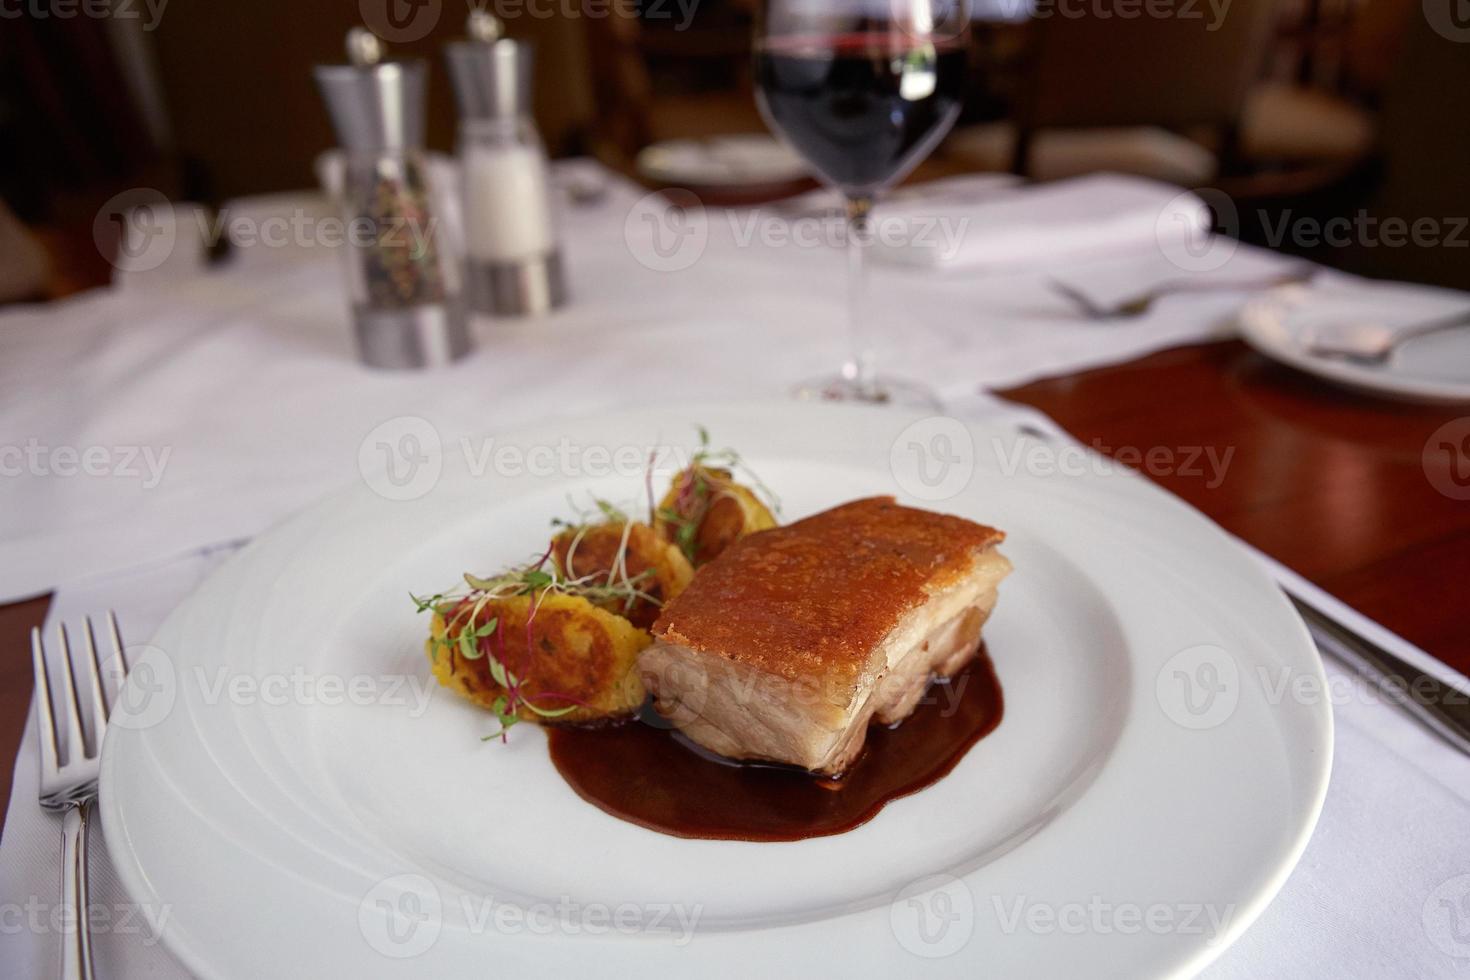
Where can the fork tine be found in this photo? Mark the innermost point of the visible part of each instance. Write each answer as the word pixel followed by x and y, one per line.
pixel 119 671
pixel 45 723
pixel 117 643
pixel 100 710
pixel 76 746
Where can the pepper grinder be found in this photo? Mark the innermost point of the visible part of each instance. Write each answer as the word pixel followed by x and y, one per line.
pixel 401 283
pixel 513 262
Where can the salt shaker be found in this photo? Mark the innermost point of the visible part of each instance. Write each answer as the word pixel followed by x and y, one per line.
pixel 402 285
pixel 513 261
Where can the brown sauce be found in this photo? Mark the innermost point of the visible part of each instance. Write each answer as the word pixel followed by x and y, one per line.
pixel 656 778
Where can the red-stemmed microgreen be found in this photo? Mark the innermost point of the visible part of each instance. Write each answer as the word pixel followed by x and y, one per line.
pixel 538 578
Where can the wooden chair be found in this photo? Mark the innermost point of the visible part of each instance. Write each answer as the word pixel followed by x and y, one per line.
pixel 1321 112
pixel 1175 73
pixel 629 56
pixel 1150 95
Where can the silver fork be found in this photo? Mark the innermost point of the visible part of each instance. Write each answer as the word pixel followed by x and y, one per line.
pixel 1138 305
pixel 69 787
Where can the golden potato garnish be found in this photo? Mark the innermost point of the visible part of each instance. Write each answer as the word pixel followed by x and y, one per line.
pixel 649 569
pixel 705 511
pixel 543 657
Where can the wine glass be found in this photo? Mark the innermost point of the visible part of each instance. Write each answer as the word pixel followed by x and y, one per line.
pixel 863 90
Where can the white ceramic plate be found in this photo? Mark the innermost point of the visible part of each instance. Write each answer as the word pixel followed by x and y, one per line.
pixel 721 161
pixel 283 793
pixel 1433 369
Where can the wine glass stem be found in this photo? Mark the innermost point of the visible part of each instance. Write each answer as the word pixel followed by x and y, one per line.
pixel 860 370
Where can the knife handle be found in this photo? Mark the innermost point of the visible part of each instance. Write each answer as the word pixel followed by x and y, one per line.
pixel 1441 707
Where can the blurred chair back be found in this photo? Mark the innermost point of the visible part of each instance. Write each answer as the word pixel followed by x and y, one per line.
pixel 657 76
pixel 1174 72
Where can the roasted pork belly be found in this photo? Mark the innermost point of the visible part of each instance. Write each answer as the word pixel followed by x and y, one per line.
pixel 786 646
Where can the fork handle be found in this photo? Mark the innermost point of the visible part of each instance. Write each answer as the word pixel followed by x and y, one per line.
pixel 76 951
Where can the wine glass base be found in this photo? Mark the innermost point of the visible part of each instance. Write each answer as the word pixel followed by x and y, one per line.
pixel 884 390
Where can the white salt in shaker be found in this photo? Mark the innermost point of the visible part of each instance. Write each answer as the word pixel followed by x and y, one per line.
pixel 512 257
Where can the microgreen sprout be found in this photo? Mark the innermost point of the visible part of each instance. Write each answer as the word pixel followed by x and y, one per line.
pixel 695 493
pixel 466 634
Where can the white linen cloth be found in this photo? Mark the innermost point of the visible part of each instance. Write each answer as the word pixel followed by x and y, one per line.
pixel 138 424
pixel 1075 219
pixel 1382 892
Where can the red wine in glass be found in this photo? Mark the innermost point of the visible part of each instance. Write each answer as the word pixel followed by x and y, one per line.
pixel 862 108
pixel 863 90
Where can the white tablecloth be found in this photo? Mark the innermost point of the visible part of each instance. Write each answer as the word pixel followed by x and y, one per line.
pixel 134 421
pixel 215 405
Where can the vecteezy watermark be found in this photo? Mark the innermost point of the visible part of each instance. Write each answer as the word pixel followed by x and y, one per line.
pixel 147 693
pixel 154 684
pixel 933 917
pixel 1450 19
pixel 681 12
pixel 302 228
pixel 673 921
pixel 136 230
pixel 139 229
pixel 150 12
pixel 223 685
pixel 1211 13
pixel 1446 459
pixel 1098 916
pixel 144 923
pixel 1363 229
pixel 1199 687
pixel 667 231
pixel 935 22
pixel 1208 463
pixel 400 21
pixel 933 458
pixel 1198 231
pixel 939 234
pixel 145 464
pixel 403 458
pixel 1281 685
pixel 1446 917
pixel 402 917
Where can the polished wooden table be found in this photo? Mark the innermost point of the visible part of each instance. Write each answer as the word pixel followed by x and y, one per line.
pixel 1330 483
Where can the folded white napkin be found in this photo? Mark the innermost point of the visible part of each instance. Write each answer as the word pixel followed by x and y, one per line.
pixel 1097 215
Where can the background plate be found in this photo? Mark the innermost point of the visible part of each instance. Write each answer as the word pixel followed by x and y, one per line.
pixel 1433 369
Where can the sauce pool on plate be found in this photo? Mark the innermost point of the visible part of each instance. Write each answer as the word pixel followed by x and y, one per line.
pixel 649 775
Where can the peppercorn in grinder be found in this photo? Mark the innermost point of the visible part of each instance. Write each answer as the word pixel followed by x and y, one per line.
pixel 403 286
